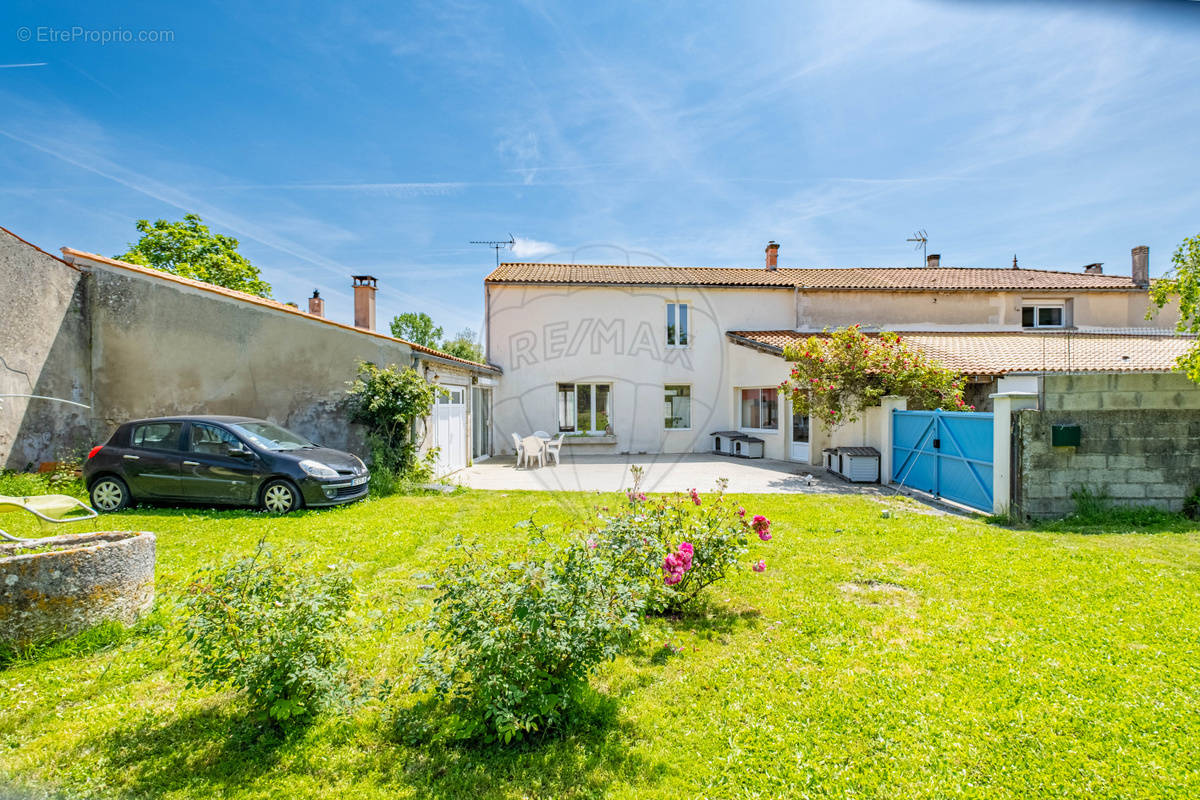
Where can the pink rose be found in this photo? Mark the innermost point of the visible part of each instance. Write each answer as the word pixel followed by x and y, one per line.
pixel 760 566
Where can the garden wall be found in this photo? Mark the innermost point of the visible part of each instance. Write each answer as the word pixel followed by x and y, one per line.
pixel 1139 443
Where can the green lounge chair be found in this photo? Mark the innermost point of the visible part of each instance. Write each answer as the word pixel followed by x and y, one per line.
pixel 48 508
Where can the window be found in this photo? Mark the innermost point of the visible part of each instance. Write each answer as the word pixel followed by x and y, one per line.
pixel 271 437
pixel 1042 317
pixel 677 324
pixel 157 436
pixel 211 440
pixel 450 396
pixel 760 409
pixel 584 407
pixel 677 407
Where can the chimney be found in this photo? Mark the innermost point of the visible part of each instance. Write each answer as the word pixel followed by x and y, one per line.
pixel 1141 265
pixel 933 260
pixel 316 304
pixel 772 256
pixel 1094 269
pixel 364 301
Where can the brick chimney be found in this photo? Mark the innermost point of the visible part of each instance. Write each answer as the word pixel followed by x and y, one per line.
pixel 772 256
pixel 364 301
pixel 316 304
pixel 1094 269
pixel 1141 265
pixel 933 260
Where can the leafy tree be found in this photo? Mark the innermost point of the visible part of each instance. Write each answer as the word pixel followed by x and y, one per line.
pixel 464 345
pixel 416 327
pixel 834 377
pixel 1183 281
pixel 189 249
pixel 389 401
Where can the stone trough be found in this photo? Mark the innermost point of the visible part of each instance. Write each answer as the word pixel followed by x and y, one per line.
pixel 58 586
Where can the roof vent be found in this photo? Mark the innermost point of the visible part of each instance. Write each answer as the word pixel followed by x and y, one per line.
pixel 1094 269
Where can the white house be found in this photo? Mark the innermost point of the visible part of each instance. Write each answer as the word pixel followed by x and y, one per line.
pixel 653 359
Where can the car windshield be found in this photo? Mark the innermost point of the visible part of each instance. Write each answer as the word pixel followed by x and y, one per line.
pixel 271 437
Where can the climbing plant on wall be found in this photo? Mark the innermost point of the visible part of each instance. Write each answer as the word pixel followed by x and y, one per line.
pixel 390 402
pixel 836 375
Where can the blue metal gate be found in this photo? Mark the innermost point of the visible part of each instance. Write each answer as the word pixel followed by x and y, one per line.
pixel 945 453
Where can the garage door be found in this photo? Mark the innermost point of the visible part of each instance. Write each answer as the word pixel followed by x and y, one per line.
pixel 450 429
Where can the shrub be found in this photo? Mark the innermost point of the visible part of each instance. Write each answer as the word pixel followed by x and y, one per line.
pixel 1191 504
pixel 390 403
pixel 510 646
pixel 271 629
pixel 677 545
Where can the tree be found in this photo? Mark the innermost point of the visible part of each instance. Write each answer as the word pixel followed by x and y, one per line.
pixel 464 345
pixel 189 249
pixel 416 327
pixel 1183 281
pixel 834 377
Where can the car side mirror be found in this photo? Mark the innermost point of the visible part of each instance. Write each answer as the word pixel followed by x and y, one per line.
pixel 238 451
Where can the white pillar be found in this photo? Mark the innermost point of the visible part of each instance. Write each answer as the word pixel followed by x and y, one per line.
pixel 1003 404
pixel 888 404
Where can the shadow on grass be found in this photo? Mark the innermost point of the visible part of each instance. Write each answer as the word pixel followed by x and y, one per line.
pixel 202 752
pixel 707 618
pixel 580 759
pixel 105 636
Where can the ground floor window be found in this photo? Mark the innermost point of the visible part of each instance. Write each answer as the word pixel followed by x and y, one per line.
pixel 760 409
pixel 584 407
pixel 677 407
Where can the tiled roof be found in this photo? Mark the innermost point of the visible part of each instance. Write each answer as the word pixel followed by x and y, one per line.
pixel 1001 352
pixel 265 302
pixel 856 278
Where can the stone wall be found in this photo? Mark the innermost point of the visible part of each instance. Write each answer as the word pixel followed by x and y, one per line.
pixel 44 339
pixel 1139 444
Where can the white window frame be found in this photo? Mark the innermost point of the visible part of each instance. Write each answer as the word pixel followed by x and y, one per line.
pixel 1037 309
pixel 592 386
pixel 688 386
pixel 742 427
pixel 681 311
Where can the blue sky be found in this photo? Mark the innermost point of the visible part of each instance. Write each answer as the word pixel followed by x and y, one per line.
pixel 381 138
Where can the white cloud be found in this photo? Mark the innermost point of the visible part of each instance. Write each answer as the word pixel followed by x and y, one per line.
pixel 532 248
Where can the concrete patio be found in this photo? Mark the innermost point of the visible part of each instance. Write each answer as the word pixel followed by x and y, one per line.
pixel 664 473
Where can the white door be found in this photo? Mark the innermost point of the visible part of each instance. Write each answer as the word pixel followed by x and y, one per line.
pixel 800 436
pixel 450 430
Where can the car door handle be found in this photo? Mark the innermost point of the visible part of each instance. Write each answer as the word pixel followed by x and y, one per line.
pixel 191 463
pixel 133 458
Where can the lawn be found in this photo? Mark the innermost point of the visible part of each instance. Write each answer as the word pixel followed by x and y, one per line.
pixel 913 656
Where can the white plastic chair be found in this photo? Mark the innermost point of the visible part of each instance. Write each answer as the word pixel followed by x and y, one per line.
pixel 555 445
pixel 518 450
pixel 533 446
pixel 541 434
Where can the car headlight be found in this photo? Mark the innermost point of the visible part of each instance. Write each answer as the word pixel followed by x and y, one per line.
pixel 317 470
pixel 361 465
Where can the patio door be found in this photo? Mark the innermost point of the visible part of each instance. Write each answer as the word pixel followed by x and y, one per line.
pixel 481 423
pixel 801 425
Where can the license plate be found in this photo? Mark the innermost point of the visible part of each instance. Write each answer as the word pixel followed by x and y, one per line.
pixel 359 481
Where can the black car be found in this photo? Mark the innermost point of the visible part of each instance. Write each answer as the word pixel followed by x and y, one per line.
pixel 220 460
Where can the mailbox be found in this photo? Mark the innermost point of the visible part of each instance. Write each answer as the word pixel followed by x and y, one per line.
pixel 1064 435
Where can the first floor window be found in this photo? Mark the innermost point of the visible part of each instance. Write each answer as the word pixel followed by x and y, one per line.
pixel 677 407
pixel 760 408
pixel 1042 317
pixel 677 324
pixel 584 407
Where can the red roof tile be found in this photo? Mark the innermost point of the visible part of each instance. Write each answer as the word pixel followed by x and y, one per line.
pixel 1002 352
pixel 890 278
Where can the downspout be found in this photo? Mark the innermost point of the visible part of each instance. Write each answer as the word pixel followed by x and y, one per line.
pixel 796 306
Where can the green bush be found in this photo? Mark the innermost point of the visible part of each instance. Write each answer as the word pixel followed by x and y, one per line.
pixel 678 545
pixel 510 645
pixel 1191 504
pixel 390 402
pixel 272 629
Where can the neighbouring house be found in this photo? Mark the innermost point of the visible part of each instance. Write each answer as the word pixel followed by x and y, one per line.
pixel 128 341
pixel 653 359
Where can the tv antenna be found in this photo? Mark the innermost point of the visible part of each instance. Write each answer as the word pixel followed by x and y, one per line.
pixel 498 246
pixel 922 239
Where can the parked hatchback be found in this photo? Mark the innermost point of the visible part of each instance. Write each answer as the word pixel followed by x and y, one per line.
pixel 219 460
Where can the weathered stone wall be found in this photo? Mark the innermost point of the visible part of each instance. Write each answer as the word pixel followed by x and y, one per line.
pixel 1139 444
pixel 44 338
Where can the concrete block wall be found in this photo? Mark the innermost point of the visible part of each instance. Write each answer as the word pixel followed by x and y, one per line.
pixel 1120 391
pixel 1138 457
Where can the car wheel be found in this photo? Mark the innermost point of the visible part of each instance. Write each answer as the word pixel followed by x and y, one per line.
pixel 280 497
pixel 110 494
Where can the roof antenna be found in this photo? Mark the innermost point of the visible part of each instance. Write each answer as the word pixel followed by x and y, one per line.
pixel 498 246
pixel 922 239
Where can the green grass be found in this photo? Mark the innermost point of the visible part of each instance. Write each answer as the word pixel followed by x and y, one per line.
pixel 920 656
